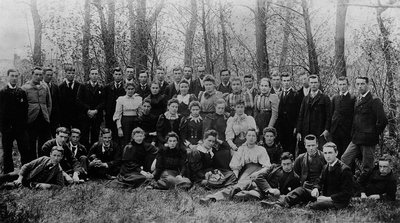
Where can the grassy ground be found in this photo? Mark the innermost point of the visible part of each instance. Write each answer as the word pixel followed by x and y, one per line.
pixel 95 202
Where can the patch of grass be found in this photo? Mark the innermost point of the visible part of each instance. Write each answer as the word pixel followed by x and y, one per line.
pixel 97 202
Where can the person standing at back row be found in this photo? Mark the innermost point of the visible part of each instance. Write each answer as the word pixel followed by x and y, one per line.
pixel 69 109
pixel 369 122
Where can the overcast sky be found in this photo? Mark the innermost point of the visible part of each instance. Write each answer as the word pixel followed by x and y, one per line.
pixel 16 27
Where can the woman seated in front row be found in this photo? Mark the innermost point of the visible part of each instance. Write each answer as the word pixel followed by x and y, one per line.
pixel 249 161
pixel 136 160
pixel 170 165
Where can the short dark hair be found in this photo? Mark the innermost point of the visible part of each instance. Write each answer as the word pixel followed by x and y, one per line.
pixel 310 137
pixel 236 79
pixel 47 69
pixel 146 100
pixel 130 67
pixel 36 68
pixel 76 131
pixel 105 131
pixel 251 130
pixel 239 102
pixel 314 76
pixel 10 71
pixel 177 69
pixel 209 78
pixel 248 76
pixel 330 145
pixel 276 75
pixel 137 130
pixel 287 156
pixel 172 100
pixel 342 78
pixel 57 148
pixel 223 70
pixel 69 68
pixel 64 130
pixel 155 82
pixel 386 157
pixel 144 72
pixel 117 69
pixel 191 68
pixel 363 78
pixel 209 133
pixel 183 82
pixel 286 75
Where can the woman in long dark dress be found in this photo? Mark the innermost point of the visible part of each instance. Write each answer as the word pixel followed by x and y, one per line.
pixel 184 98
pixel 168 121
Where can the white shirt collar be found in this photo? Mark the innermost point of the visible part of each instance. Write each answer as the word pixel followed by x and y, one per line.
pixel 93 83
pixel 225 85
pixel 184 99
pixel 333 164
pixel 72 146
pixel 204 150
pixel 345 93
pixel 363 95
pixel 195 119
pixel 11 87
pixel 306 91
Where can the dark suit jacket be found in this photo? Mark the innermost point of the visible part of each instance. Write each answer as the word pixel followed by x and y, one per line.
pixel 81 150
pixel 342 113
pixel 112 157
pixel 143 92
pixel 55 100
pixel 288 112
pixel 337 183
pixel 314 115
pixel 69 109
pixel 163 88
pixel 301 166
pixel 13 109
pixel 223 89
pixel 170 91
pixel 90 98
pixel 369 121
pixel 272 177
pixel 110 96
pixel 68 162
pixel 196 87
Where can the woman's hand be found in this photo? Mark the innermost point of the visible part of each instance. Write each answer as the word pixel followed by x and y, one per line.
pixel 120 132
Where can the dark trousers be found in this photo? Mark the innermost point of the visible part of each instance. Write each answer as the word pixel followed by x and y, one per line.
pixel 324 205
pixel 353 151
pixel 287 139
pixel 9 177
pixel 299 195
pixel 113 126
pixel 342 139
pixel 39 132
pixel 69 122
pixel 128 123
pixel 21 136
pixel 90 130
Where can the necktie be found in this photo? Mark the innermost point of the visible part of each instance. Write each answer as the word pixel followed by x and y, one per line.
pixel 70 85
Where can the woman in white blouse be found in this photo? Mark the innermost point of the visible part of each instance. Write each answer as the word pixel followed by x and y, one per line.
pixel 126 112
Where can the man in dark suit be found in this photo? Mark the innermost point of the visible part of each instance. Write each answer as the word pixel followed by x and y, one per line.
pixel 315 113
pixel 368 123
pixel 112 91
pixel 342 116
pixel 91 101
pixel 198 83
pixel 305 88
pixel 225 85
pixel 288 112
pixel 78 150
pixel 13 121
pixel 335 188
pixel 143 89
pixel 276 82
pixel 69 108
pixel 55 99
pixel 160 77
pixel 173 88
pixel 130 75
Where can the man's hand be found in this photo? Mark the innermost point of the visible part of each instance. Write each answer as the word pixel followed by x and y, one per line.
pixel 43 186
pixel 105 165
pixel 315 193
pixel 153 134
pixel 325 134
pixel 374 196
pixel 18 182
pixel 208 174
pixel 324 198
pixel 274 192
pixel 298 137
pixel 75 177
pixel 120 132
pixel 294 131
pixel 179 177
pixel 68 178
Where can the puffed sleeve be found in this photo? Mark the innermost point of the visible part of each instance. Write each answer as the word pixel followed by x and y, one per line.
pixel 252 123
pixel 274 107
pixel 236 161
pixel 229 134
pixel 118 112
pixel 263 158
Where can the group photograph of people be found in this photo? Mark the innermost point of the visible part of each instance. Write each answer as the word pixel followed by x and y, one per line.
pixel 240 138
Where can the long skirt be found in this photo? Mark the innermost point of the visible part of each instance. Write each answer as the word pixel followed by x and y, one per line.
pixel 242 184
pixel 128 123
pixel 133 179
pixel 168 180
pixel 262 120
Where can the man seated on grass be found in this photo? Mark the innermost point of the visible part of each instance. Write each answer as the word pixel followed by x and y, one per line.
pixel 136 160
pixel 104 157
pixel 380 182
pixel 78 150
pixel 278 179
pixel 336 185
pixel 42 173
pixel 309 167
pixel 69 164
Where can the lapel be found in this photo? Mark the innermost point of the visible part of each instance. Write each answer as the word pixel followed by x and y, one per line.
pixel 364 99
pixel 288 179
pixel 316 98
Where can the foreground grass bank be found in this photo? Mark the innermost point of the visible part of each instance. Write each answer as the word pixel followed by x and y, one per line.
pixel 94 202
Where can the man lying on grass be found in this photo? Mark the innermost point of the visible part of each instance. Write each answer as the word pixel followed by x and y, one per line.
pixel 42 173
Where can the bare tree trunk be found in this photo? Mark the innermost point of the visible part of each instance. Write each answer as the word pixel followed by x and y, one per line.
pixel 312 54
pixel 132 29
pixel 190 33
pixel 261 40
pixel 37 24
pixel 205 38
pixel 142 36
pixel 285 41
pixel 108 36
pixel 86 41
pixel 387 49
pixel 224 35
pixel 340 61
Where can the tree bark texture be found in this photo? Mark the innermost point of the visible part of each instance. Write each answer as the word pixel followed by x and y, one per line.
pixel 190 33
pixel 312 54
pixel 285 41
pixel 340 60
pixel 37 24
pixel 224 36
pixel 261 40
pixel 86 41
pixel 205 38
